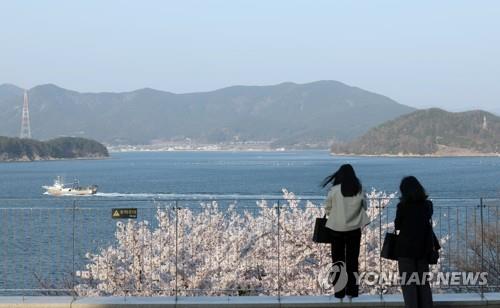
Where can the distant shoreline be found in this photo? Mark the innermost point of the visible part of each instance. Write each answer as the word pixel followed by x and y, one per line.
pixel 51 159
pixel 442 151
pixel 218 150
pixel 420 155
pixel 318 150
pixel 249 147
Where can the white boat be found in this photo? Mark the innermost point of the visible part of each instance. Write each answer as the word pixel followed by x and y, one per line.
pixel 61 189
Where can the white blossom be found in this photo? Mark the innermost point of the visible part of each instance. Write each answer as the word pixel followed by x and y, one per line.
pixel 230 250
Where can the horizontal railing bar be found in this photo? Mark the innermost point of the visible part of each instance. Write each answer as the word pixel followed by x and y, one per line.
pixel 36 290
pixel 256 198
pixel 228 199
pixel 125 199
pixel 244 289
pixel 195 205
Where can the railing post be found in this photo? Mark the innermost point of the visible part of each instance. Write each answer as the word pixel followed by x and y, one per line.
pixel 482 244
pixel 380 243
pixel 176 248
pixel 73 249
pixel 151 289
pixel 279 255
pixel 23 259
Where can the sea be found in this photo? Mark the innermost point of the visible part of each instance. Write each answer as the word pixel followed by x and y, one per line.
pixel 248 174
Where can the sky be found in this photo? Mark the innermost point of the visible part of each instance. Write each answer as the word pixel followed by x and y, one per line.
pixel 424 54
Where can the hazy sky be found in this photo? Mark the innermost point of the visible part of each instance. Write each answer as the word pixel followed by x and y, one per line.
pixel 435 53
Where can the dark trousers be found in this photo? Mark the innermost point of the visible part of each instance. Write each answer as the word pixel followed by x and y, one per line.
pixel 416 295
pixel 345 248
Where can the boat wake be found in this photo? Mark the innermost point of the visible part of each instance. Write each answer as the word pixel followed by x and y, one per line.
pixel 199 196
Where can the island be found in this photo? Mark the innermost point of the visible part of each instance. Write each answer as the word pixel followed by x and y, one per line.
pixel 16 149
pixel 430 132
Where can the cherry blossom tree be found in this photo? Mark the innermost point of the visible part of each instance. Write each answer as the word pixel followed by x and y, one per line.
pixel 230 250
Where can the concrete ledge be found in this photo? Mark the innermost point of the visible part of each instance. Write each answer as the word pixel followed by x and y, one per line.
pixel 36 301
pixel 440 300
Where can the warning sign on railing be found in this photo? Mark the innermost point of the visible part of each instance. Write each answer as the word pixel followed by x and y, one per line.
pixel 124 213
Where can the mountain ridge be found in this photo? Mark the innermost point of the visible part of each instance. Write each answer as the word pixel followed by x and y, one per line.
pixel 287 114
pixel 432 131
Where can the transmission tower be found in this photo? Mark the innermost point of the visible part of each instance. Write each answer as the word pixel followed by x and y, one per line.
pixel 25 122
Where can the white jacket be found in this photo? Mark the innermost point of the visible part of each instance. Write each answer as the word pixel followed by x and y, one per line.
pixel 345 213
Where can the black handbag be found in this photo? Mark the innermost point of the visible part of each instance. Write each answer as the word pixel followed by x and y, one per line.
pixel 321 232
pixel 389 247
pixel 434 247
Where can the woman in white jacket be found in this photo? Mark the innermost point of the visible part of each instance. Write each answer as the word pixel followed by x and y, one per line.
pixel 345 208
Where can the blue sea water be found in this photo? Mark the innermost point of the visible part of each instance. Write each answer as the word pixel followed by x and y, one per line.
pixel 233 174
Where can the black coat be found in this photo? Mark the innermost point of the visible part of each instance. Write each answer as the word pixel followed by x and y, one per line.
pixel 412 221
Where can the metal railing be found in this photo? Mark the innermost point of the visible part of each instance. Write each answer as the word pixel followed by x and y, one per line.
pixel 215 247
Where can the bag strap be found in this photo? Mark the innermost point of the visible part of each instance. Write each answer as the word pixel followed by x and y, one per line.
pixel 429 236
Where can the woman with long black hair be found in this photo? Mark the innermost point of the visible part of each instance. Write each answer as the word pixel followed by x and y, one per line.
pixel 413 216
pixel 345 208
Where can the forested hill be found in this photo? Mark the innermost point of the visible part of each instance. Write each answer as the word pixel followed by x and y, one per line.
pixel 430 132
pixel 16 149
pixel 286 114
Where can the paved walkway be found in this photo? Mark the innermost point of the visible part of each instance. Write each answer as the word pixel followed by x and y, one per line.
pixel 440 300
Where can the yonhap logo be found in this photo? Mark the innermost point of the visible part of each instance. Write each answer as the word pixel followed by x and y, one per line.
pixel 333 276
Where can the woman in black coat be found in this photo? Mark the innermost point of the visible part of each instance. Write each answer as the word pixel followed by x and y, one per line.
pixel 413 216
